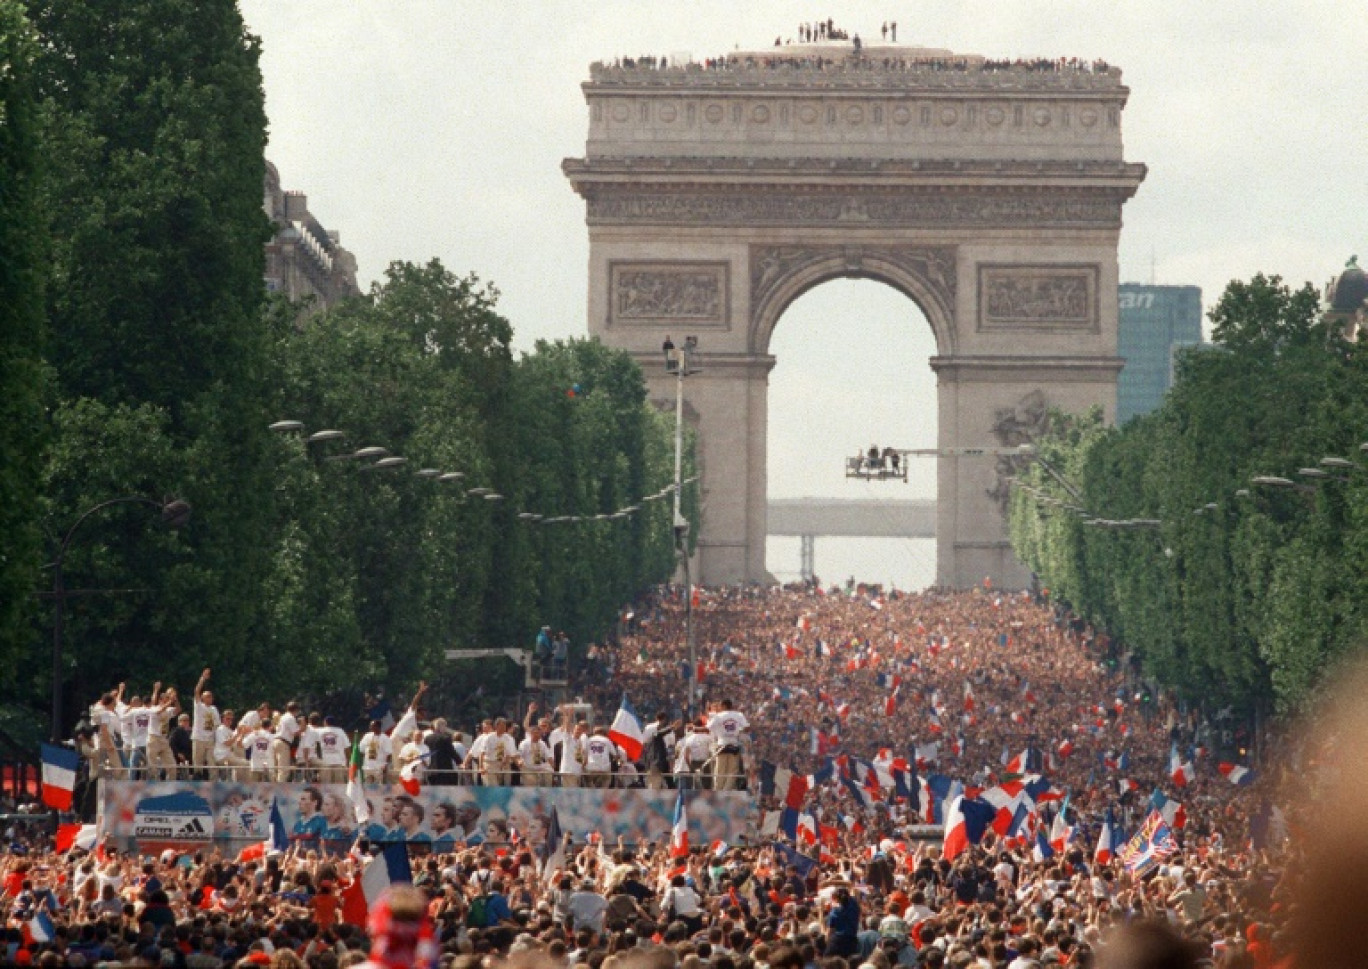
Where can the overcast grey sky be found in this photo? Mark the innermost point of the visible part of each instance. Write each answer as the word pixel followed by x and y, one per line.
pixel 423 128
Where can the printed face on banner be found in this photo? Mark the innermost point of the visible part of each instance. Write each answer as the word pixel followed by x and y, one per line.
pixel 154 815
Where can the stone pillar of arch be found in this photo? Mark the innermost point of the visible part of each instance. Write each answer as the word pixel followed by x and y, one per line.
pixel 992 200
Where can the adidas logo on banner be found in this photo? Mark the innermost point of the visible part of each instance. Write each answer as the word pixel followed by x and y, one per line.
pixel 192 829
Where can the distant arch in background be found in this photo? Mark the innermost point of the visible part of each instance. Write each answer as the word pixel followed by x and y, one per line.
pixel 991 198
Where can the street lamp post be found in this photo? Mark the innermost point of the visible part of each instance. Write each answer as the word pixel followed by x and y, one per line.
pixel 174 513
pixel 680 362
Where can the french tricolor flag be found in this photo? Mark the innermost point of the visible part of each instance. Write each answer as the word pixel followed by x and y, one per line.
pixel 1180 771
pixel 965 822
pixel 1173 813
pixel 1107 841
pixel 1005 800
pixel 390 867
pixel 679 829
pixel 1061 832
pixel 626 731
pixel 59 775
pixel 82 836
pixel 1043 850
pixel 1237 775
pixel 39 928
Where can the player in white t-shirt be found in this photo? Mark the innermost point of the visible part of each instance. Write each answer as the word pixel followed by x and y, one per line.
pixel 256 718
pixel 104 720
pixel 288 731
pixel 728 730
pixel 165 708
pixel 534 756
pixel 600 755
pixel 205 723
pixel 412 757
pixel 334 749
pixel 257 745
pixel 135 725
pixel 232 765
pixel 308 754
pixel 572 753
pixel 497 753
pixel 375 753
pixel 691 758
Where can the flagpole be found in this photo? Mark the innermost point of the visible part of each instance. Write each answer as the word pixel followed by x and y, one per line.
pixel 680 361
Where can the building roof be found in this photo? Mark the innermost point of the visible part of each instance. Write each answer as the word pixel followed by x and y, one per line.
pixel 1348 292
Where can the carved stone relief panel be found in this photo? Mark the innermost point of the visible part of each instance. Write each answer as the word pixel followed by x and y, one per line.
pixel 663 293
pixel 1023 423
pixel 1053 297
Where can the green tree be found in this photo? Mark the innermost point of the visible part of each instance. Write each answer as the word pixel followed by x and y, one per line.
pixel 23 375
pixel 155 133
pixel 1242 595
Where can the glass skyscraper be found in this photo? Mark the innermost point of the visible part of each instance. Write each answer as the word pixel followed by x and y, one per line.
pixel 1155 321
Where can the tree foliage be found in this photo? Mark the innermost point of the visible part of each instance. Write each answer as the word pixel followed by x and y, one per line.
pixel 404 566
pixel 1243 594
pixel 136 249
pixel 23 374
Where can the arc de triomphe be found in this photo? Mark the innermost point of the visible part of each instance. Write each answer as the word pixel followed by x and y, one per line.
pixel 990 197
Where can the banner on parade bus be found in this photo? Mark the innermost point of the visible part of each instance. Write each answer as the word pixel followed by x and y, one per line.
pixel 151 816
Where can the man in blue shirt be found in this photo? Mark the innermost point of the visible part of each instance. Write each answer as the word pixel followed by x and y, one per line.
pixel 843 924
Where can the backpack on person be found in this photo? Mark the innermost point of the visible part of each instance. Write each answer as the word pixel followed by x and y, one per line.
pixel 477 916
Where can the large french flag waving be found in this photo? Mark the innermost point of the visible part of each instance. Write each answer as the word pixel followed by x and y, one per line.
pixel 965 821
pixel 626 731
pixel 679 830
pixel 59 775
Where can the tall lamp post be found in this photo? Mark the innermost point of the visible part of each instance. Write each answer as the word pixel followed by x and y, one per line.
pixel 174 514
pixel 680 362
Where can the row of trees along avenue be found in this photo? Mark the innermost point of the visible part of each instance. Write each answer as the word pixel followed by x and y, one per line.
pixel 139 356
pixel 1230 591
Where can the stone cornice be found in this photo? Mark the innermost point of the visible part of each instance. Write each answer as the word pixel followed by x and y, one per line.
pixel 853 207
pixel 852 78
pixel 1030 369
pixel 868 173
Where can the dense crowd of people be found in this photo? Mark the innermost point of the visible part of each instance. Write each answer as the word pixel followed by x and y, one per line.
pixel 845 688
pixel 860 60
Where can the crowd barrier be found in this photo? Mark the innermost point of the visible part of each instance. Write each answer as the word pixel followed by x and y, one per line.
pixel 703 779
pixel 151 816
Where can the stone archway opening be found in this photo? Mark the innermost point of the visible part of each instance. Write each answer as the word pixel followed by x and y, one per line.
pixel 830 395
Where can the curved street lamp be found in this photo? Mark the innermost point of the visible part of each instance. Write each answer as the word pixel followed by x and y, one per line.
pixel 175 513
